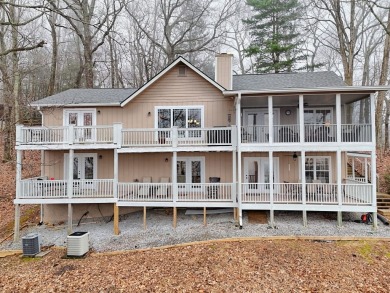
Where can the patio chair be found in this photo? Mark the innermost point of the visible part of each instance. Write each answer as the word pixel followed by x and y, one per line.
pixel 144 189
pixel 163 190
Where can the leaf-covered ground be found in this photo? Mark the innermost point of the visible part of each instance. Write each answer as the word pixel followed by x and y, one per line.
pixel 243 266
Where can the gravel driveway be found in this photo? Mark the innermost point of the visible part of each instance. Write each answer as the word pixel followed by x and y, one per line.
pixel 190 228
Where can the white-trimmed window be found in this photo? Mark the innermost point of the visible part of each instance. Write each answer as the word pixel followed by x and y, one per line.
pixel 82 119
pixel 190 170
pixel 318 115
pixel 317 168
pixel 182 117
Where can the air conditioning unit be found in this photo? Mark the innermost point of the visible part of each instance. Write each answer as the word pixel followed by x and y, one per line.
pixel 31 244
pixel 78 244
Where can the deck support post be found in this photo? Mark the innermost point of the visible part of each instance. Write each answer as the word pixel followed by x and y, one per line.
pixel 70 218
pixel 19 157
pixel 145 218
pixel 339 218
pixel 375 220
pixel 272 218
pixel 271 182
pixel 304 216
pixel 17 223
pixel 174 217
pixel 116 219
pixel 204 217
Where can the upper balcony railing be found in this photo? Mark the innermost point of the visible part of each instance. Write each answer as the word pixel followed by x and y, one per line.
pixel 65 135
pixel 132 137
pixel 313 133
pixel 216 136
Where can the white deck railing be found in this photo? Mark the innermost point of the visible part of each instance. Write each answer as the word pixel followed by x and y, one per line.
pixel 286 133
pixel 219 136
pixel 255 134
pixel 145 191
pixel 43 135
pixel 356 192
pixel 320 132
pixel 65 134
pixel 316 193
pixel 205 192
pixel 356 133
pixel 94 188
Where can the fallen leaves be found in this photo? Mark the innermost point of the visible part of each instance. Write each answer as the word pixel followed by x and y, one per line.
pixel 245 266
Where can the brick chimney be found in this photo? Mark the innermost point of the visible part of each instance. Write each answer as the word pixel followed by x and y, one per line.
pixel 224 70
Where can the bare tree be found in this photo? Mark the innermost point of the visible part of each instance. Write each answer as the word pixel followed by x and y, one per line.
pixel 91 22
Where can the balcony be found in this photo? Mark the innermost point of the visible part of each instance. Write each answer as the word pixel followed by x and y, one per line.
pixel 313 133
pixel 113 136
pixel 352 193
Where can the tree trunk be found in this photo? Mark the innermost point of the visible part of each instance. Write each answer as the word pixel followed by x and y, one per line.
pixel 54 55
pixel 382 81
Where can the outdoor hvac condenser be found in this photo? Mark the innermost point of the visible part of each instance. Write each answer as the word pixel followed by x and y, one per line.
pixel 31 244
pixel 78 244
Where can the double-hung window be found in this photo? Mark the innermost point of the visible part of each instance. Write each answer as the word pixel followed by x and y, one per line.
pixel 183 117
pixel 318 168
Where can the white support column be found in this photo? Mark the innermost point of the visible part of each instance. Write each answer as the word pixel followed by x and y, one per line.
pixel 373 182
pixel 239 159
pixel 373 159
pixel 70 174
pixel 19 157
pixel 301 120
pixel 116 173
pixel 117 129
pixel 18 135
pixel 270 119
pixel 303 187
pixel 372 116
pixel 271 187
pixel 175 189
pixel 70 133
pixel 338 117
pixel 234 175
pixel 17 223
pixel 175 136
pixel 70 218
pixel 339 189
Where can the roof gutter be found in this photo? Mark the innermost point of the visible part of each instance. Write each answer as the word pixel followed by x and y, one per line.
pixel 362 89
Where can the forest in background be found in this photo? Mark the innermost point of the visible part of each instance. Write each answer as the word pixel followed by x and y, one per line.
pixel 49 46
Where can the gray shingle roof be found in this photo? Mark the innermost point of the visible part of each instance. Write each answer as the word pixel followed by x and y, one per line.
pixel 258 82
pixel 86 96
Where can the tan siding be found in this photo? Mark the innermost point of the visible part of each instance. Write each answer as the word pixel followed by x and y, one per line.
pixel 54 163
pixel 137 166
pixel 169 90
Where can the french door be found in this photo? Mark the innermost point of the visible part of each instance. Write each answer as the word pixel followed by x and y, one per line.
pixel 256 124
pixel 190 173
pixel 80 118
pixel 84 168
pixel 256 173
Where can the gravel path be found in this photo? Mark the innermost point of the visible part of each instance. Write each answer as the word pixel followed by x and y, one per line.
pixel 190 228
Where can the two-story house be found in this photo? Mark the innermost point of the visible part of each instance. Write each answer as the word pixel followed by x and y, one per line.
pixel 293 141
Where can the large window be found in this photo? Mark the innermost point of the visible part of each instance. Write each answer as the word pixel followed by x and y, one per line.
pixel 318 169
pixel 182 117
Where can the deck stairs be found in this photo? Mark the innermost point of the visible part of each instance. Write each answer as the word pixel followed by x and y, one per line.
pixel 383 203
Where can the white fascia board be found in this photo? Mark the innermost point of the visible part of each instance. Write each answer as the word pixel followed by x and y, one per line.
pixel 154 79
pixel 356 89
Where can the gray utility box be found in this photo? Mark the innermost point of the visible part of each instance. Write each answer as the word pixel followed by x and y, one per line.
pixel 78 244
pixel 31 244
